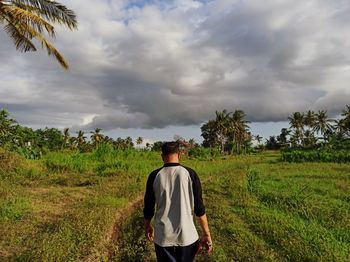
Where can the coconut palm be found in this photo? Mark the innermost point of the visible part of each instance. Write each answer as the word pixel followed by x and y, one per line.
pixel 309 119
pixel 221 122
pixel 283 137
pixel 6 126
pixel 66 137
pixel 139 140
pixel 238 128
pixel 346 113
pixel 26 20
pixel 80 139
pixel 258 139
pixel 96 136
pixel 209 133
pixel 322 123
pixel 296 122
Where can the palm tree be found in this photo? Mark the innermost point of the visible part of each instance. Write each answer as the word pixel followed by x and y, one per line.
pixel 221 122
pixel 6 126
pixel 238 128
pixel 139 140
pixel 96 136
pixel 346 120
pixel 209 133
pixel 322 123
pixel 296 121
pixel 26 20
pixel 258 139
pixel 80 139
pixel 309 119
pixel 283 137
pixel 66 137
pixel 346 113
pixel 192 142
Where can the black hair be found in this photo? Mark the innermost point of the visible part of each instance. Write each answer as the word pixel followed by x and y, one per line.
pixel 170 148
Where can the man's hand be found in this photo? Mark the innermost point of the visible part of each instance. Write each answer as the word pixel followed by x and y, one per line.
pixel 207 243
pixel 148 230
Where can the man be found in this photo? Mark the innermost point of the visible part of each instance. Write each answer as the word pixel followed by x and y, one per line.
pixel 176 192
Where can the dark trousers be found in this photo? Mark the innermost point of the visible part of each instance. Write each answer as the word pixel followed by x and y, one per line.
pixel 176 253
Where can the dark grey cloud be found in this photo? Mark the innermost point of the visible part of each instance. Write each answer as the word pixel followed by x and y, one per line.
pixel 147 64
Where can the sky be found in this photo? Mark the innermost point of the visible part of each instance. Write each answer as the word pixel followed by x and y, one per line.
pixel 162 68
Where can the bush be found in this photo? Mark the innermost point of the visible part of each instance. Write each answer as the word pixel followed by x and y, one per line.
pixel 321 155
pixel 203 153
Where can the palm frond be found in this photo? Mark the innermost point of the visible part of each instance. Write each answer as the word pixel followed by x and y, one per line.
pixel 51 50
pixel 20 40
pixel 53 11
pixel 21 15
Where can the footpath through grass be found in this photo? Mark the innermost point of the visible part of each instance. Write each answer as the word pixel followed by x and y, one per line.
pixel 259 209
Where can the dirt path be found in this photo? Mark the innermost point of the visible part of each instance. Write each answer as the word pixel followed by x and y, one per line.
pixel 104 250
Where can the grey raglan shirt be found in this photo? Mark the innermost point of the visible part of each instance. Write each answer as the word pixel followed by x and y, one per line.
pixel 176 192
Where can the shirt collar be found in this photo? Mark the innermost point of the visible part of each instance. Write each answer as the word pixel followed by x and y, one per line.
pixel 171 164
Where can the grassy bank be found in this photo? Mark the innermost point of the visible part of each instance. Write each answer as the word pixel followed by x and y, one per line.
pixel 60 207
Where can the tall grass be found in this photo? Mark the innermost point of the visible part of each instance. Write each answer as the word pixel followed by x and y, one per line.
pixel 59 208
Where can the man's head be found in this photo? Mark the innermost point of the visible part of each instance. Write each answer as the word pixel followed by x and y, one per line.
pixel 170 152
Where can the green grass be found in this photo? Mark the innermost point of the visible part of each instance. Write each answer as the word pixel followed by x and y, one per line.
pixel 259 209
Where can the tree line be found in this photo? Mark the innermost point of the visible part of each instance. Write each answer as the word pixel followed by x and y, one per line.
pixel 33 143
pixel 228 133
pixel 311 129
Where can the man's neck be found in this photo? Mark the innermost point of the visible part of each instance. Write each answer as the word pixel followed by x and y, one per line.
pixel 173 158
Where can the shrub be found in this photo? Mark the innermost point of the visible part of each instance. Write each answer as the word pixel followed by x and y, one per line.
pixel 321 155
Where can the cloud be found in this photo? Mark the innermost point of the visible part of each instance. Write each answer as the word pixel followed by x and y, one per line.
pixel 147 64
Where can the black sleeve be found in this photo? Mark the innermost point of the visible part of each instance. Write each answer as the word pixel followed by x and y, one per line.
pixel 149 200
pixel 199 208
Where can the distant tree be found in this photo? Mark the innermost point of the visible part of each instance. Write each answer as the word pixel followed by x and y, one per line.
pixel 238 129
pixel 66 138
pixel 96 137
pixel 26 20
pixel 346 121
pixel 209 134
pixel 258 139
pixel 50 138
pixel 283 137
pixel 80 139
pixel 128 142
pixel 139 140
pixel 272 143
pixel 6 126
pixel 309 139
pixel 157 146
pixel 192 143
pixel 222 128
pixel 296 122
pixel 309 119
pixel 228 131
pixel 322 124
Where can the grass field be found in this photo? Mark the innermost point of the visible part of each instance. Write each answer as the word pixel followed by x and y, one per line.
pixel 260 209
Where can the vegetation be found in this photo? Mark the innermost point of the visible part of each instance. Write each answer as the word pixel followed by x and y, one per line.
pixel 59 193
pixel 228 132
pixel 26 20
pixel 261 209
